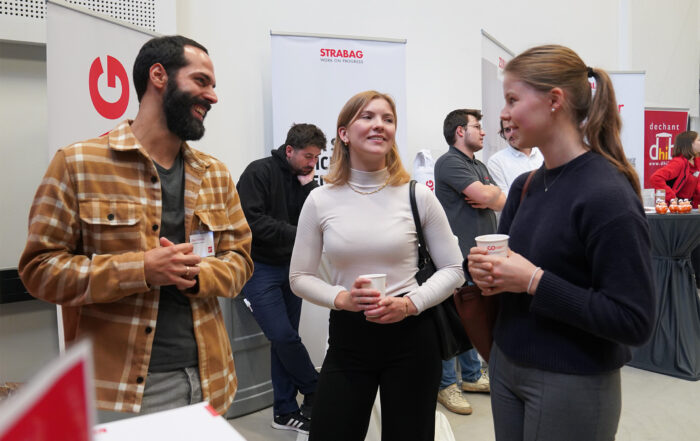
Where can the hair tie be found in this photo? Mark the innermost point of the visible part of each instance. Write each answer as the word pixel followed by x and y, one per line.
pixel 590 72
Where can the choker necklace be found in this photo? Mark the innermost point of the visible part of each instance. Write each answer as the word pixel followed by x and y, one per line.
pixel 369 192
pixel 544 177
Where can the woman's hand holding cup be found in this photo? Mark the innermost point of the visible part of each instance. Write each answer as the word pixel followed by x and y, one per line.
pixel 361 297
pixel 495 274
pixel 391 310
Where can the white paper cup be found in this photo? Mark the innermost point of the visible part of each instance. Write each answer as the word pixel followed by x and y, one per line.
pixel 376 281
pixel 496 244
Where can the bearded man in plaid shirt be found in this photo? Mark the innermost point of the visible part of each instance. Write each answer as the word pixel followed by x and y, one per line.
pixel 136 234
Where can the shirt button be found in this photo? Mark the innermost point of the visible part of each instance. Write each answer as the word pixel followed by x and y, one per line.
pixel 110 216
pixel 139 380
pixel 154 179
pixel 155 227
pixel 149 329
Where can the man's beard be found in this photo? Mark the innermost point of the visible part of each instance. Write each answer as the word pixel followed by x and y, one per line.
pixel 177 106
pixel 475 147
pixel 300 170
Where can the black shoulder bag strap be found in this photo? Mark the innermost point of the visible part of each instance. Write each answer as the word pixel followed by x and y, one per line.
pixel 426 267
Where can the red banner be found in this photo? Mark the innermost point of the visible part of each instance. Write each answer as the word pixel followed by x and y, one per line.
pixel 56 405
pixel 660 130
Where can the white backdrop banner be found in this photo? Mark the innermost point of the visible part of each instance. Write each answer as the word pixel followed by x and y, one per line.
pixel 629 91
pixel 494 57
pixel 312 78
pixel 89 59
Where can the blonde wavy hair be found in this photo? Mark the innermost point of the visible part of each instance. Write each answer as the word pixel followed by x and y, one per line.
pixel 339 172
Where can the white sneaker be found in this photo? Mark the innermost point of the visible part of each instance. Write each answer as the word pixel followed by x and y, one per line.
pixel 481 385
pixel 454 401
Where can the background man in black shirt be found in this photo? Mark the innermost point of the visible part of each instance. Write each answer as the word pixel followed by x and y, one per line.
pixel 272 192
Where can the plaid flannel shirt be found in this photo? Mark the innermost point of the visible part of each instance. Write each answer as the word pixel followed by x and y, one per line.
pixel 96 212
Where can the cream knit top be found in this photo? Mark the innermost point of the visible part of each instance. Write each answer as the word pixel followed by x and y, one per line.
pixel 372 233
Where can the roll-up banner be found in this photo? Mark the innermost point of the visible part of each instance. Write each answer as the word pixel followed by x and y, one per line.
pixel 494 57
pixel 89 59
pixel 660 129
pixel 629 92
pixel 313 76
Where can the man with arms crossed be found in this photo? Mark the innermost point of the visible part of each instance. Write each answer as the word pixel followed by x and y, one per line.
pixel 136 234
pixel 469 196
pixel 273 190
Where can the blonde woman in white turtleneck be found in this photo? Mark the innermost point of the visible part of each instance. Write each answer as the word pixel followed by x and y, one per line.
pixel 362 218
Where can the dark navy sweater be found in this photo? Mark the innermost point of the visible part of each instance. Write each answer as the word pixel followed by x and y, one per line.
pixel 589 234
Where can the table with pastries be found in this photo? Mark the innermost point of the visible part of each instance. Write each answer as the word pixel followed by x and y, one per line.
pixel 674 347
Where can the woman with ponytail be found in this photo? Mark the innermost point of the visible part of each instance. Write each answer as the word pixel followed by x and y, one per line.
pixel 576 289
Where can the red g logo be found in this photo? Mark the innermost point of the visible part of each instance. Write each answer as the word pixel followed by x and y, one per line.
pixel 430 184
pixel 114 70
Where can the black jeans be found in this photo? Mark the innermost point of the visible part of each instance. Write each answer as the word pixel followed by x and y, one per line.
pixel 401 359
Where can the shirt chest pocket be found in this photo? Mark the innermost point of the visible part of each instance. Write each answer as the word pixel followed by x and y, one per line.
pixel 216 221
pixel 111 226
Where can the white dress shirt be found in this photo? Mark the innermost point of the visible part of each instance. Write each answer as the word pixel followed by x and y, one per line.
pixel 509 163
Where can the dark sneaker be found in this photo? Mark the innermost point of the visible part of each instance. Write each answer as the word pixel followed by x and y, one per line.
pixel 305 411
pixel 307 405
pixel 292 421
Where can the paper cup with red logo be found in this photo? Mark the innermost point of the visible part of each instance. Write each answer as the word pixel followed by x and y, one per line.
pixel 376 281
pixel 496 244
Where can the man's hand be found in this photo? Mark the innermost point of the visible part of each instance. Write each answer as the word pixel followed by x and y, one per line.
pixel 171 265
pixel 474 204
pixel 480 195
pixel 305 179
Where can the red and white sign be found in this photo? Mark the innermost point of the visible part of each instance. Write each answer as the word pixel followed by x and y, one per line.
pixel 115 71
pixel 88 79
pixel 660 130
pixel 56 405
pixel 313 76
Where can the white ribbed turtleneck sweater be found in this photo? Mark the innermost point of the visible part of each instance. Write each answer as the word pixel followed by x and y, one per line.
pixel 372 233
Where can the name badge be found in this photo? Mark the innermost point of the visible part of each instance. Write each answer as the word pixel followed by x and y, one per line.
pixel 203 242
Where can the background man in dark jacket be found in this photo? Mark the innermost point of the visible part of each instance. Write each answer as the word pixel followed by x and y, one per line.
pixel 272 192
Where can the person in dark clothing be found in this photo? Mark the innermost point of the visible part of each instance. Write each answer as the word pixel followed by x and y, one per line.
pixel 272 192
pixel 576 288
pixel 469 196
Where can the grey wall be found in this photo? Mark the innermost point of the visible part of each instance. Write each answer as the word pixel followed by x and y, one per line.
pixel 28 336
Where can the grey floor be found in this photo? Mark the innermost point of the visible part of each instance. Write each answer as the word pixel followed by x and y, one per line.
pixel 655 407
